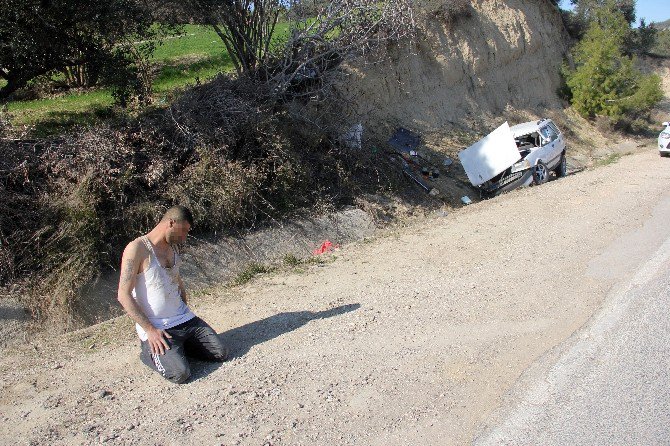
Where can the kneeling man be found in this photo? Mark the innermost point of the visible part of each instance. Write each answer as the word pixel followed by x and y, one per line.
pixel 152 293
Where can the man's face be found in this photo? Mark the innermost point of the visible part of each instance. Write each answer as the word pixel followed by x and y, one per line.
pixel 177 232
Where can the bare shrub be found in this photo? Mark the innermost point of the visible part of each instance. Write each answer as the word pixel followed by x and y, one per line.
pixel 303 68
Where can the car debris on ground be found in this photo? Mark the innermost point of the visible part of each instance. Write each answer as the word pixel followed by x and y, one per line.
pixel 415 166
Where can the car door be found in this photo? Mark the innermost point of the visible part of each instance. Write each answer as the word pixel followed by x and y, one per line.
pixel 550 150
pixel 560 141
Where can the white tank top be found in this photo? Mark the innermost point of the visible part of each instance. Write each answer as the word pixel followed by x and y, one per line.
pixel 157 293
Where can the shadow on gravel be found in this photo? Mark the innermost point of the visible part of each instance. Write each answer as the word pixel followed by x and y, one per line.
pixel 13 313
pixel 240 340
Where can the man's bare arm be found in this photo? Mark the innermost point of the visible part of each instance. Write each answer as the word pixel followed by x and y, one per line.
pixel 130 267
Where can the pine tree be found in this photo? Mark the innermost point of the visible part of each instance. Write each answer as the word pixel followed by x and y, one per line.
pixel 605 81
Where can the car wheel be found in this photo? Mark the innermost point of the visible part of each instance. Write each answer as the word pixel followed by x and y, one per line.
pixel 540 173
pixel 562 168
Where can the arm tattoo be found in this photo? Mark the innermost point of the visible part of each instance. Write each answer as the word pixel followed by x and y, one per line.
pixel 128 272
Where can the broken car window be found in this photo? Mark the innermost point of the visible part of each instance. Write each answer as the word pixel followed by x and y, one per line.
pixel 554 128
pixel 548 135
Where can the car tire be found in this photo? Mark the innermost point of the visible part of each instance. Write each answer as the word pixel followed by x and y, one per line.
pixel 540 173
pixel 562 168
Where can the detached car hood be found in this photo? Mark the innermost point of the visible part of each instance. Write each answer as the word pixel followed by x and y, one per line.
pixel 491 156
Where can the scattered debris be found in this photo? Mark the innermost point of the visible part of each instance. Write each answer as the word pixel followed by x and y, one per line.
pixel 466 200
pixel 100 394
pixel 404 140
pixel 404 144
pixel 352 139
pixel 326 246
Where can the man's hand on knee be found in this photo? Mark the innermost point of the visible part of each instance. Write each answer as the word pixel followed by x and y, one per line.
pixel 157 340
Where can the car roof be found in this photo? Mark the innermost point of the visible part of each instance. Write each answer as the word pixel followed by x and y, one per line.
pixel 527 128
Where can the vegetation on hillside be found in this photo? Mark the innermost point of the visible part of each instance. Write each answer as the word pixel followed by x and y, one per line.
pixel 605 80
pixel 234 150
pixel 661 46
pixel 87 43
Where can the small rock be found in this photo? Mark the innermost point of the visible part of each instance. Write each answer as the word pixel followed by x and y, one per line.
pixel 100 394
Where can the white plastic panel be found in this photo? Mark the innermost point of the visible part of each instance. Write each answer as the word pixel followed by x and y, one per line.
pixel 490 156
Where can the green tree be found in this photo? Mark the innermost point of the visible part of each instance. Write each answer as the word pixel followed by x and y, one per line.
pixel 605 81
pixel 661 45
pixel 589 10
pixel 246 27
pixel 86 40
pixel 643 38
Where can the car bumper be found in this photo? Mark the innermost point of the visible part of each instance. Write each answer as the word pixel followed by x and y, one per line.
pixel 508 183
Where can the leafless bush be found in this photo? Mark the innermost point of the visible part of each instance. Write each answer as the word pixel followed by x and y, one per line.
pixel 341 31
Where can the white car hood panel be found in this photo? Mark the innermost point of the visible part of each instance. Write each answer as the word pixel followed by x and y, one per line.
pixel 490 156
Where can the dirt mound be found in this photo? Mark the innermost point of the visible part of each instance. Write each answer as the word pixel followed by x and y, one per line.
pixel 468 68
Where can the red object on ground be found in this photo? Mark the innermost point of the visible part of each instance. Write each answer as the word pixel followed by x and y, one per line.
pixel 326 246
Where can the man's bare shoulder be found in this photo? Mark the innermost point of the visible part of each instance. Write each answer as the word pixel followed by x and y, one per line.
pixel 136 250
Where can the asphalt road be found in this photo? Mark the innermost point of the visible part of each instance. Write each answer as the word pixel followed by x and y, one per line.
pixel 609 384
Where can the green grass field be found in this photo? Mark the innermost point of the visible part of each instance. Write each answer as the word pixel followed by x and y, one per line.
pixel 196 55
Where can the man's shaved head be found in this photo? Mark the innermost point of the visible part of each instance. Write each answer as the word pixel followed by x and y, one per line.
pixel 178 214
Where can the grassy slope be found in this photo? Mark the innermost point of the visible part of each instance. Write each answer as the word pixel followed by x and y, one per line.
pixel 199 54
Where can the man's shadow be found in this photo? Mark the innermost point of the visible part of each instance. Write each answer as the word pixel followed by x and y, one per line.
pixel 241 339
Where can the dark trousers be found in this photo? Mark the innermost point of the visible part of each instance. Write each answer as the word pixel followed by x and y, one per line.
pixel 193 338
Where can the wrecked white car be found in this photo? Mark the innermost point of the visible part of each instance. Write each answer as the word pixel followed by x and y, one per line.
pixel 511 157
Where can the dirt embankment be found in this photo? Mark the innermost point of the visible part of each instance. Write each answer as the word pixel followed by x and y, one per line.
pixel 467 68
pixel 471 69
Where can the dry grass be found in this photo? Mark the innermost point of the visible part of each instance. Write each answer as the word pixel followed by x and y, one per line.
pixel 70 204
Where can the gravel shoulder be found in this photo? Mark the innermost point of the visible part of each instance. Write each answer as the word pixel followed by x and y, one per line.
pixel 411 337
